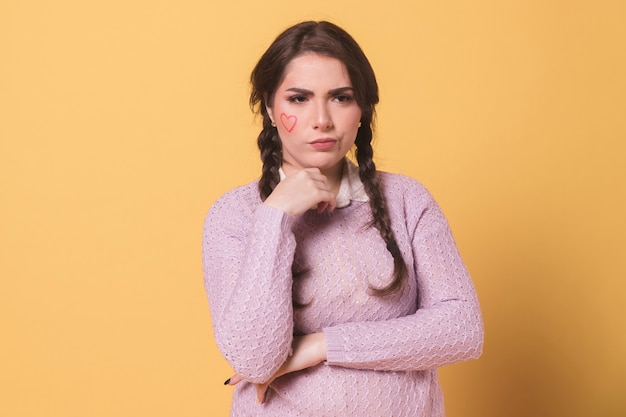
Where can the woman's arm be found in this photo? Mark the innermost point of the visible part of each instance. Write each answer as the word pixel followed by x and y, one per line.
pixel 248 250
pixel 446 328
pixel 247 255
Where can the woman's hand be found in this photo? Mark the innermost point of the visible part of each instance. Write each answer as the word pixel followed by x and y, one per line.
pixel 308 350
pixel 301 191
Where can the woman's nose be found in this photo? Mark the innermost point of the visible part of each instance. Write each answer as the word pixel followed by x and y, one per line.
pixel 322 119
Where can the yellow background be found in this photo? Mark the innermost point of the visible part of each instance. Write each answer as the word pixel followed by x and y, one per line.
pixel 122 121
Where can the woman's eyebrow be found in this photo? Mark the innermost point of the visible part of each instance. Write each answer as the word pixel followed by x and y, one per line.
pixel 300 90
pixel 332 92
pixel 339 90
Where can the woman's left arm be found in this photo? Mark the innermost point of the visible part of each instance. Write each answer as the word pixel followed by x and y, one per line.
pixel 447 327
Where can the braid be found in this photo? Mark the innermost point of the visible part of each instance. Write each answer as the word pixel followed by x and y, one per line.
pixel 271 156
pixel 380 220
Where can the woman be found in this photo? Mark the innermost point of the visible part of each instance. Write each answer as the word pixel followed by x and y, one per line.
pixel 335 289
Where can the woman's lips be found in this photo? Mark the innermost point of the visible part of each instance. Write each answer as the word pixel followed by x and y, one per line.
pixel 323 144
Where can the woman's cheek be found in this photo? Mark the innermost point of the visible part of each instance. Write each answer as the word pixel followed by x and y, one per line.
pixel 288 121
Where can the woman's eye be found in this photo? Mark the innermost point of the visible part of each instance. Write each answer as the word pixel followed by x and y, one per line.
pixel 297 99
pixel 344 98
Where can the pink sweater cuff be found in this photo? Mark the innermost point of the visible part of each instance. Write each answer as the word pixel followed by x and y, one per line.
pixel 270 215
pixel 335 353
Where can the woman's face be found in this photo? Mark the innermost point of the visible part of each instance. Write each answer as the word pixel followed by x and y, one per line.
pixel 316 114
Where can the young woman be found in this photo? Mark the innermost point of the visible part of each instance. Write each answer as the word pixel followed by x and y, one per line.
pixel 335 289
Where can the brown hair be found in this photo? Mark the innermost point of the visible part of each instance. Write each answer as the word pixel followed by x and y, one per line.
pixel 327 39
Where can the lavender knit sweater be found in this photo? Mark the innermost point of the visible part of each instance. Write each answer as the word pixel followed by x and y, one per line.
pixel 383 352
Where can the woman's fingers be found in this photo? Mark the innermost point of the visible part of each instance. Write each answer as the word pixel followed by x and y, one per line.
pixel 301 191
pixel 327 197
pixel 261 390
pixel 233 380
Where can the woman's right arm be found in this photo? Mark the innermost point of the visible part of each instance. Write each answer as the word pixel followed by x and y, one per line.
pixel 248 250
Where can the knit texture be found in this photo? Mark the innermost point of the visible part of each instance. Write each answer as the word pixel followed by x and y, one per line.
pixel 383 352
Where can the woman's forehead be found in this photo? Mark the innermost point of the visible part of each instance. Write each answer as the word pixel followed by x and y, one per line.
pixel 315 70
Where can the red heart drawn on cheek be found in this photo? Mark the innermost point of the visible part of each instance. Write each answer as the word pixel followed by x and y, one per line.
pixel 289 122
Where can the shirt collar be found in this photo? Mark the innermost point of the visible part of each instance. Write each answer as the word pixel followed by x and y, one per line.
pixel 351 187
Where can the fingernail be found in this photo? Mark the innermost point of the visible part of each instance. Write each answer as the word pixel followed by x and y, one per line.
pixel 227 381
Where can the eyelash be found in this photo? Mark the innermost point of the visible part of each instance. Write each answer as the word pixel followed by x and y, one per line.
pixel 344 98
pixel 341 98
pixel 297 99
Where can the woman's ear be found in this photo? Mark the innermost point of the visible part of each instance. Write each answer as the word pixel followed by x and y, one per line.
pixel 268 109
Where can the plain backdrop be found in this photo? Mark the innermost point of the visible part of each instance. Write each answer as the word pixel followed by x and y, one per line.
pixel 121 122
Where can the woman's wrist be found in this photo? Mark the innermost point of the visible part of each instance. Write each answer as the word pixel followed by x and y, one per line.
pixel 319 342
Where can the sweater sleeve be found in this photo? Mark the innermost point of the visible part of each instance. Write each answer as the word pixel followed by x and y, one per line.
pixel 248 250
pixel 447 327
